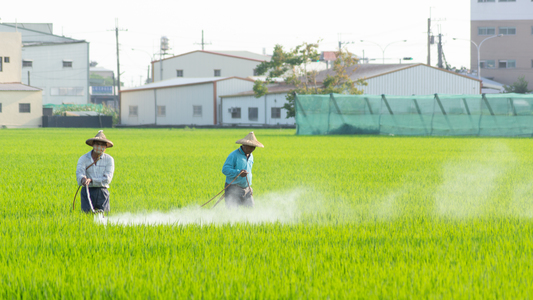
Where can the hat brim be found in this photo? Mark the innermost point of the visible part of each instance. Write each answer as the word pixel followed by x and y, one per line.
pixel 91 141
pixel 250 143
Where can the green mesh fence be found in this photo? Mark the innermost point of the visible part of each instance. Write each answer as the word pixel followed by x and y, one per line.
pixel 431 115
pixel 75 107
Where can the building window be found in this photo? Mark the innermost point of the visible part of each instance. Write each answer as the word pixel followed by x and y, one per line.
pixel 179 73
pixel 161 111
pixel 196 110
pixel 252 113
pixel 487 64
pixel 507 0
pixel 6 59
pixel 67 64
pixel 485 0
pixel 235 112
pixel 0 107
pixel 217 73
pixel 1 67
pixel 275 112
pixel 507 64
pixel 257 73
pixel 27 63
pixel 134 110
pixel 486 30
pixel 507 30
pixel 24 108
pixel 66 91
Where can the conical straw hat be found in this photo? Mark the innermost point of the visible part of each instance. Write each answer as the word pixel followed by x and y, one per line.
pixel 100 137
pixel 250 140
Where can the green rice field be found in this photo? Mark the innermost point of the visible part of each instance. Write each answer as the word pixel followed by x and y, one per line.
pixel 336 217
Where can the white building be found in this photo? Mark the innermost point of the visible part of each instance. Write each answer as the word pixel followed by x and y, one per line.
pixel 206 64
pixel 58 65
pixel 410 79
pixel 179 101
pixel 21 105
pixel 507 57
pixel 388 79
pixel 245 109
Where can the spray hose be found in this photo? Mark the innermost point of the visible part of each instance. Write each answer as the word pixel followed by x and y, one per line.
pixel 74 202
pixel 224 190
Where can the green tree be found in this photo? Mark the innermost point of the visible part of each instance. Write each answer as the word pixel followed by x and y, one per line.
pixel 99 80
pixel 519 87
pixel 292 66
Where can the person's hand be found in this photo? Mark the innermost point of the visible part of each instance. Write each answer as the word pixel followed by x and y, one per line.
pixel 85 181
pixel 244 173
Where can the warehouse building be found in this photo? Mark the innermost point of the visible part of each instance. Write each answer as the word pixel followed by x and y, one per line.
pixel 58 65
pixel 389 79
pixel 178 101
pixel 206 64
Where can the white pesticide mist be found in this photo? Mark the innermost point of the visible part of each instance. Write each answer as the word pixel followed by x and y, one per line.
pixel 468 183
pixel 271 208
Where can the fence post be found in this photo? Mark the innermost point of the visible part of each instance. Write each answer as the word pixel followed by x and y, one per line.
pixel 468 112
pixel 443 112
pixel 329 114
pixel 369 107
pixel 420 115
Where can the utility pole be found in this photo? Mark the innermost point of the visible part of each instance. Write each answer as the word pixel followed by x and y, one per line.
pixel 162 51
pixel 429 41
pixel 440 65
pixel 202 43
pixel 343 43
pixel 148 75
pixel 118 67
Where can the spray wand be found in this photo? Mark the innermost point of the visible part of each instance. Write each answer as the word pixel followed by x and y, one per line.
pixel 87 186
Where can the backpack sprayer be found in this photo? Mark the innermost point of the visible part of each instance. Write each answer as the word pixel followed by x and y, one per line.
pixel 223 195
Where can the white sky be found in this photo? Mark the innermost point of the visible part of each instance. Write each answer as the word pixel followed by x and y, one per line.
pixel 252 26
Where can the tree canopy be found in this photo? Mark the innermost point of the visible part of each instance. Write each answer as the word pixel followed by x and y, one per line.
pixel 294 67
pixel 519 87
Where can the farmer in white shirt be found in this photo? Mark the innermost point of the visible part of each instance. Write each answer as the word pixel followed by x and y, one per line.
pixel 95 171
pixel 238 171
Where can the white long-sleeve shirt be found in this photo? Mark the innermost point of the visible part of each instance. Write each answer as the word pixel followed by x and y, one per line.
pixel 101 173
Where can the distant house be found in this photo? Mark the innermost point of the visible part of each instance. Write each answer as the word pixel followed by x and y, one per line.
pixel 178 101
pixel 102 87
pixel 58 65
pixel 245 109
pixel 207 64
pixel 21 105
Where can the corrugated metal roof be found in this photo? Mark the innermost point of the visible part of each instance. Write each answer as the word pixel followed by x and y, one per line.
pixel 17 87
pixel 247 55
pixel 487 83
pixel 179 82
pixel 362 71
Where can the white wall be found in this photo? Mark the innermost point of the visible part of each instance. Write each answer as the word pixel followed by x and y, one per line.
pixel 231 87
pixel 421 80
pixel 10 46
pixel 10 115
pixel 201 64
pixel 519 10
pixel 48 72
pixel 264 106
pixel 178 102
pixel 144 100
